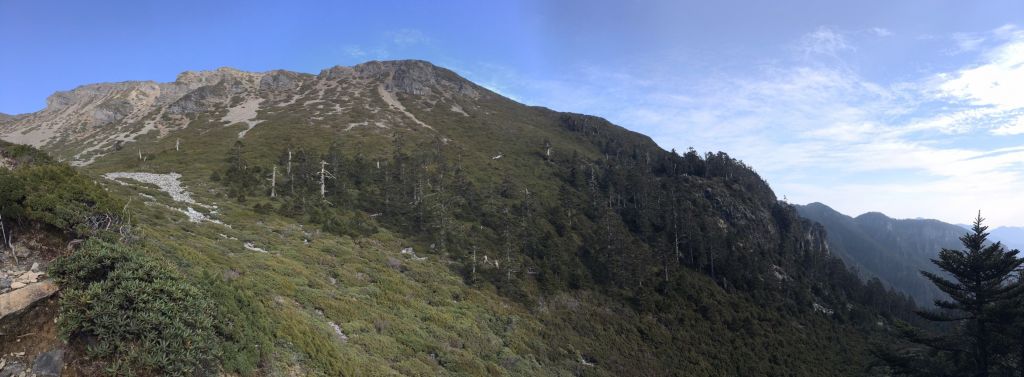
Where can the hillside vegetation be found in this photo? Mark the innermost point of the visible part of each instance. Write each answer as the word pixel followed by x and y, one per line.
pixel 497 240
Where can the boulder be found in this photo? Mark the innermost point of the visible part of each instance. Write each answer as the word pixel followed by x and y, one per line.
pixel 12 368
pixel 18 300
pixel 49 364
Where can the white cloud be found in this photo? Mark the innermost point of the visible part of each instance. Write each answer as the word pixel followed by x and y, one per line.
pixel 824 41
pixel 881 32
pixel 1015 128
pixel 966 42
pixel 997 82
pixel 989 91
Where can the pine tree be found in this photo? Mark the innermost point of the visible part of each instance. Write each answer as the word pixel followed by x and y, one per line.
pixel 980 291
pixel 1016 328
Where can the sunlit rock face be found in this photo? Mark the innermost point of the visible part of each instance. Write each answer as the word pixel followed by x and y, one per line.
pixel 91 120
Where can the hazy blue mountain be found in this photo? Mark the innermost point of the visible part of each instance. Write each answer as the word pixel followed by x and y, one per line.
pixel 1011 236
pixel 892 250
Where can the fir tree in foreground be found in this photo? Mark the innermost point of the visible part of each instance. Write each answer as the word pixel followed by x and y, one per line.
pixel 981 314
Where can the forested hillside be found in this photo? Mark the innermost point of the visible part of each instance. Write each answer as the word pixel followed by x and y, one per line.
pixel 394 218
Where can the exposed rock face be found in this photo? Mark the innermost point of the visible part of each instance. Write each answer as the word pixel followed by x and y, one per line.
pixel 21 299
pixel 91 120
pixel 416 77
pixel 280 80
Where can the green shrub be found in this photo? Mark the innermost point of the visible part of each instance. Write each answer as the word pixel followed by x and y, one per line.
pixel 59 196
pixel 243 324
pixel 136 313
pixel 12 194
pixel 23 154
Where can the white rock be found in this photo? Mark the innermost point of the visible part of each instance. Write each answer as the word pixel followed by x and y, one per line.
pixel 166 182
pixel 252 246
pixel 29 277
pixel 337 330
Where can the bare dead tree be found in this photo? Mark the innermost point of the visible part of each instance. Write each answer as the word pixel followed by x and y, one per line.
pixel 7 238
pixel 177 145
pixel 324 175
pixel 288 169
pixel 507 234
pixel 273 183
pixel 3 233
pixel 473 274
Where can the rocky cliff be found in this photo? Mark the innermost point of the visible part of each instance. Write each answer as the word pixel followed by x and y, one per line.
pixel 92 120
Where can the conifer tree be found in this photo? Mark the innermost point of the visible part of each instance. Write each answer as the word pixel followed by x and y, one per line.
pixel 981 288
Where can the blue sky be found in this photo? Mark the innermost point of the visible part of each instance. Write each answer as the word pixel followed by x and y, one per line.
pixel 912 108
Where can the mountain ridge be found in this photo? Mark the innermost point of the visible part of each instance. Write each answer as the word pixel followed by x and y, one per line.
pixel 1012 236
pixel 93 119
pixel 621 257
pixel 893 250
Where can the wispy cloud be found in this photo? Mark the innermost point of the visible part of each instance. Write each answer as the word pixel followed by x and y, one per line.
pixel 967 42
pixel 355 51
pixel 392 42
pixel 824 41
pixel 1008 129
pixel 407 37
pixel 362 53
pixel 994 82
pixel 987 94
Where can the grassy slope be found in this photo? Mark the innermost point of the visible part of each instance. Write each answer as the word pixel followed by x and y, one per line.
pixel 393 319
pixel 425 320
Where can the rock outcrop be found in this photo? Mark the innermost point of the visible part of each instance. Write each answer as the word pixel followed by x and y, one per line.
pixel 86 122
pixel 23 298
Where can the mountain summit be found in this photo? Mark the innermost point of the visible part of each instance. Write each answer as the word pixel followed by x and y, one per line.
pixel 91 120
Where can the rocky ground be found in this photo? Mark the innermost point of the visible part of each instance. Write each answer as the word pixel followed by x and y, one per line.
pixel 29 342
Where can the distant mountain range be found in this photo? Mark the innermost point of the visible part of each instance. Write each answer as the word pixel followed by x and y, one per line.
pixel 1011 236
pixel 896 250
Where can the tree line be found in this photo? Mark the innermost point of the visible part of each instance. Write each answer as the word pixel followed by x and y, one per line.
pixel 630 222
